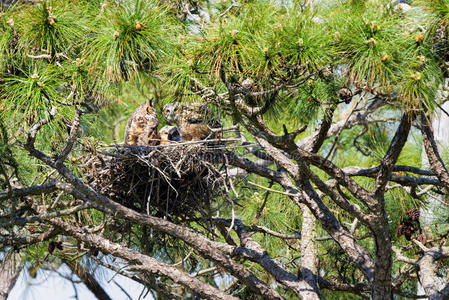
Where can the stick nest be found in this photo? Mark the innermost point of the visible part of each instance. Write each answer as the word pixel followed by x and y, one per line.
pixel 177 181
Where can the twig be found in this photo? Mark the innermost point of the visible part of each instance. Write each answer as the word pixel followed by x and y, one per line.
pixel 271 190
pixel 341 130
pixel 46 216
pixel 202 272
pixel 72 136
pixel 228 9
pixel 35 128
pixel 260 209
pixel 123 290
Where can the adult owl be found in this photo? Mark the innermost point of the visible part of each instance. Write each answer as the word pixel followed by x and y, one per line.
pixel 142 127
pixel 169 134
pixel 190 118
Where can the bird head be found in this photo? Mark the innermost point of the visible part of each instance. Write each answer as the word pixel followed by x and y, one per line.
pixel 169 134
pixel 150 106
pixel 170 111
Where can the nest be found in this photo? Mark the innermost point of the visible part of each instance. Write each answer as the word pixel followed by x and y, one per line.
pixel 178 181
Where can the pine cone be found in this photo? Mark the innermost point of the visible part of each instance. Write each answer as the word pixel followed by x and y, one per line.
pixel 406 230
pixel 345 94
pixel 248 83
pixel 413 214
pixel 51 247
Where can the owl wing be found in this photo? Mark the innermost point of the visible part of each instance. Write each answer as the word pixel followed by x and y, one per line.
pixel 193 132
pixel 131 129
pixel 193 113
pixel 191 122
pixel 151 134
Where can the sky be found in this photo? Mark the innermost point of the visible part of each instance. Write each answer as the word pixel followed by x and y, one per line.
pixel 52 286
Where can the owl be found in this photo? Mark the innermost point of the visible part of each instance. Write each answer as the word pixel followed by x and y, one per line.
pixel 169 134
pixel 189 118
pixel 142 127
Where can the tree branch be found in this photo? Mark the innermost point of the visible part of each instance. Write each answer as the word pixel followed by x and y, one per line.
pixel 430 146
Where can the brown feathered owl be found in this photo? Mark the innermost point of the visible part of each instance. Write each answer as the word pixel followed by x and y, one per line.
pixel 142 127
pixel 189 118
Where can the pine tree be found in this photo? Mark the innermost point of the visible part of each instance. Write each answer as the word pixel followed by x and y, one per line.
pixel 309 186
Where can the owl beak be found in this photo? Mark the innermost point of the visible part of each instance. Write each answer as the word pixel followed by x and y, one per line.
pixel 174 135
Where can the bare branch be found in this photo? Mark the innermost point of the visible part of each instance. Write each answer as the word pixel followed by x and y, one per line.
pixel 9 272
pixel 436 163
pixel 36 127
pixel 72 136
pixel 28 191
pixel 148 263
pixel 253 251
pixel 27 240
pixel 88 279
pixel 216 251
pixel 392 155
pixel 46 216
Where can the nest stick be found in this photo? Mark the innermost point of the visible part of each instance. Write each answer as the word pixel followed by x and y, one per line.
pixel 149 194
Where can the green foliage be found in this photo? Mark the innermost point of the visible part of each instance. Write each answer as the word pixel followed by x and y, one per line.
pixel 371 42
pixel 438 7
pixel 420 85
pixel 299 39
pixel 310 99
pixel 52 26
pixel 6 40
pixel 260 40
pixel 223 47
pixel 33 92
pixel 126 38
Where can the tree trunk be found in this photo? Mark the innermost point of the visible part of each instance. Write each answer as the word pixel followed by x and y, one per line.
pixel 9 272
pixel 88 279
pixel 431 213
pixel 308 268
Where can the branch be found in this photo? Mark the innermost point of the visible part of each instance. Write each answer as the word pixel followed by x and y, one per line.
pixel 383 245
pixel 427 266
pixel 358 289
pixel 316 140
pixel 308 265
pixel 263 229
pixel 427 273
pixel 270 143
pixel 46 216
pixel 254 252
pixel 72 136
pixel 402 258
pixel 359 256
pixel 88 279
pixel 28 191
pixel 36 127
pixel 392 155
pixel 146 263
pixel 335 172
pixel 10 269
pixel 357 118
pixel 347 242
pixel 154 285
pixel 218 252
pixel 27 240
pixel 360 171
pixel 430 146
